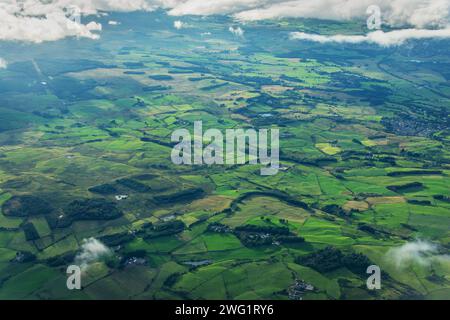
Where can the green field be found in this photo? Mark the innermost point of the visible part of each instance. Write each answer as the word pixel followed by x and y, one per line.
pixel 365 165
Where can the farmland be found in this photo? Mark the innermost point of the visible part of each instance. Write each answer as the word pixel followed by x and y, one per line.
pixel 364 151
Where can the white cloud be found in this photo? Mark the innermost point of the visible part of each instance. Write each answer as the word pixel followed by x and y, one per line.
pixel 3 63
pixel 418 13
pixel 205 7
pixel 94 6
pixel 38 21
pixel 113 23
pixel 385 39
pixel 414 15
pixel 416 252
pixel 179 25
pixel 325 9
pixel 236 31
pixel 92 250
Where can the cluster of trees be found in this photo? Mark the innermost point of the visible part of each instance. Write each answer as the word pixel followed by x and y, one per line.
pixel 189 69
pixel 413 172
pixel 379 231
pixel 160 142
pixel 161 77
pixel 442 197
pixel 356 263
pixel 120 263
pixel 420 202
pixel 134 185
pixel 408 226
pixel 134 72
pixel 156 88
pixel 196 79
pixel 103 189
pixel 151 231
pixel 26 205
pixel 30 231
pixel 183 195
pixel 214 86
pixel 92 209
pixel 390 160
pixel 61 260
pixel 145 176
pixel 331 258
pixel 297 158
pixel 263 229
pixel 172 279
pixel 290 239
pixel 253 235
pixel 24 257
pixel 336 210
pixel 254 239
pixel 367 228
pixel 325 260
pixel 117 238
pixel 272 193
pixel 405 187
pixel 134 65
pixel 218 227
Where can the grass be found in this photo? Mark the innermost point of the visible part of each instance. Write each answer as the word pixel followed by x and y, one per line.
pixel 87 128
pixel 23 284
pixel 326 232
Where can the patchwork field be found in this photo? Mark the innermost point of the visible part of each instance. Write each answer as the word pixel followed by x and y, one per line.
pixel 365 165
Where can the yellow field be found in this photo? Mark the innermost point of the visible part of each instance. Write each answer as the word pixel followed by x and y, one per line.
pixel 327 148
